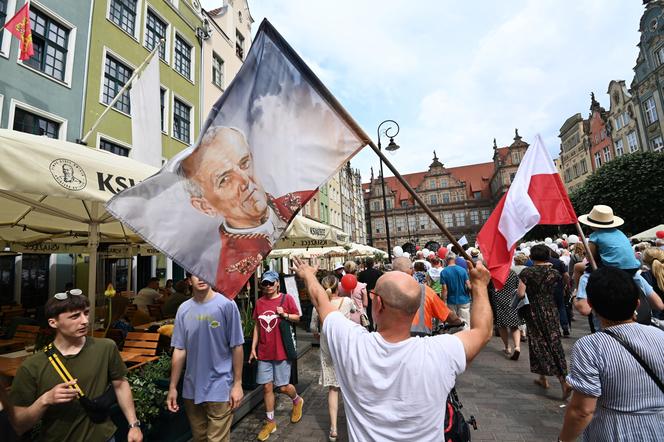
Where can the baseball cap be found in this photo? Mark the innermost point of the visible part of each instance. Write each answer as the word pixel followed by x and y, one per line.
pixel 338 266
pixel 270 276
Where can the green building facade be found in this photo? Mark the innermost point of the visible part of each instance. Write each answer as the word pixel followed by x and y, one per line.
pixel 123 33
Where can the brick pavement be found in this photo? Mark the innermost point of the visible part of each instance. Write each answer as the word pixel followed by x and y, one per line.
pixel 500 394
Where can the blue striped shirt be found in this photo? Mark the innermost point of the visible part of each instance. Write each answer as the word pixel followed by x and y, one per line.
pixel 630 406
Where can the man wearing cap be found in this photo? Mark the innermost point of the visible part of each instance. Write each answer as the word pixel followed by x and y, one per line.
pixel 267 349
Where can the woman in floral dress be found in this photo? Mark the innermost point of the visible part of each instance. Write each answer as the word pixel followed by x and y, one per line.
pixel 547 357
pixel 328 377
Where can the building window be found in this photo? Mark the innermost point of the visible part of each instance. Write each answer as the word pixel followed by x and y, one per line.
pixel 625 116
pixel 116 75
pixel 123 14
pixel 460 219
pixel 448 219
pixel 239 44
pixel 619 122
pixel 182 57
pixel 516 157
pixel 607 154
pixel 404 203
pixel 389 203
pixel 49 39
pixel 474 217
pixel 181 121
pixel 650 110
pixel 584 166
pixel 433 199
pixel 477 195
pixel 431 183
pixel 659 55
pixel 656 144
pixel 620 150
pixel 25 121
pixel 485 214
pixel 412 224
pixel 632 142
pixel 3 17
pixel 401 224
pixel 446 197
pixel 217 70
pixel 113 148
pixel 375 205
pixel 379 225
pixel 162 105
pixel 598 159
pixel 155 31
pixel 443 182
pixel 424 222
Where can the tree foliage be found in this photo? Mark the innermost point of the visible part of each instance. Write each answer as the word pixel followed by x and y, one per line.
pixel 633 185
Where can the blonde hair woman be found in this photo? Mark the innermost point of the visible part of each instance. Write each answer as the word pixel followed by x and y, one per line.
pixel 328 377
pixel 653 257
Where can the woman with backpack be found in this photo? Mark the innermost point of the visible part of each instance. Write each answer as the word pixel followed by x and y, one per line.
pixel 328 377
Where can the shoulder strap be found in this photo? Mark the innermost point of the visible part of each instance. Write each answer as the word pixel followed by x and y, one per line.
pixel 60 368
pixel 422 304
pixel 283 298
pixel 638 358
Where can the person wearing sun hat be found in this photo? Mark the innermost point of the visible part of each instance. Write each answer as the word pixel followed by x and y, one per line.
pixel 609 246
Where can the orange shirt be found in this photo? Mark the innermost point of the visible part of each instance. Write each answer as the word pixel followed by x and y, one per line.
pixel 434 307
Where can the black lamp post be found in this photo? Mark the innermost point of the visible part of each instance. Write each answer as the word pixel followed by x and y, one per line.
pixel 391 131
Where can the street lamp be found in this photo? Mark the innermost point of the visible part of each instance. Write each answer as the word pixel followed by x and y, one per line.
pixel 391 131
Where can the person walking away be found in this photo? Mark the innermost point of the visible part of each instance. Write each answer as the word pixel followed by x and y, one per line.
pixel 369 276
pixel 614 397
pixel 431 306
pixel 208 337
pixel 506 318
pixel 420 272
pixel 358 295
pixel 395 387
pixel 267 349
pixel 547 357
pixel 327 376
pixel 559 292
pixel 433 275
pixel 455 286
pixel 40 394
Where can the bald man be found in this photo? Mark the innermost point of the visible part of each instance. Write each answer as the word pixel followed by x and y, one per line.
pixel 395 387
pixel 431 306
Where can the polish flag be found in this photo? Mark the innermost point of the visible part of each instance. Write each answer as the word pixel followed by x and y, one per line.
pixel 536 196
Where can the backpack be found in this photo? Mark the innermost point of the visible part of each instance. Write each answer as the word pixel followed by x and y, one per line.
pixel 456 428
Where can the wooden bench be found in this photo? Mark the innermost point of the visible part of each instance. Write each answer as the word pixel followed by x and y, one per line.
pixel 143 345
pixel 155 311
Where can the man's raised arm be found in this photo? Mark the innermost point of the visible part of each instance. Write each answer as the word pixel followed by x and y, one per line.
pixel 317 293
pixel 481 316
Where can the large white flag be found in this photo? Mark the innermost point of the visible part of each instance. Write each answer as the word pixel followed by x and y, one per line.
pixel 145 120
pixel 273 137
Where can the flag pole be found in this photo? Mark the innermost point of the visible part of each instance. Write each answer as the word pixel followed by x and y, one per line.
pixel 318 85
pixel 122 91
pixel 590 256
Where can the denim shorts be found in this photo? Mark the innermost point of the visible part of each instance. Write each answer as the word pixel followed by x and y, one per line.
pixel 277 372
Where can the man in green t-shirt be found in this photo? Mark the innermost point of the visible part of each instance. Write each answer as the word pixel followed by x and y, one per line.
pixel 39 393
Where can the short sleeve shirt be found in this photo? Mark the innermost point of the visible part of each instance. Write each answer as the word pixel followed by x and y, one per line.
pixel 393 391
pixel 270 346
pixel 614 249
pixel 434 307
pixel 455 277
pixel 208 331
pixel 95 366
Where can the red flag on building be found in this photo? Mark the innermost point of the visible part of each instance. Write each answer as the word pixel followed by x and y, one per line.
pixel 536 196
pixel 19 27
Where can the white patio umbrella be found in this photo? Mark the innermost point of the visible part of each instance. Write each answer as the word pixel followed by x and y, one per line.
pixel 307 233
pixel 52 196
pixel 649 234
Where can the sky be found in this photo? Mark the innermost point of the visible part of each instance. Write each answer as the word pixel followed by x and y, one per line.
pixel 457 74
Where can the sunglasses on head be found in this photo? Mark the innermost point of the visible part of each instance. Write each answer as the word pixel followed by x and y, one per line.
pixel 67 294
pixel 267 283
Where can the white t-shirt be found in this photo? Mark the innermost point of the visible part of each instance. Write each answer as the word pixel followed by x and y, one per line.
pixel 393 392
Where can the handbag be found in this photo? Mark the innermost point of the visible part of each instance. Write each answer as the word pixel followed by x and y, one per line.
pixel 288 335
pixel 638 358
pixel 97 409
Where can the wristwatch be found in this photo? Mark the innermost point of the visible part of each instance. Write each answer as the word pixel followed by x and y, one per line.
pixel 135 425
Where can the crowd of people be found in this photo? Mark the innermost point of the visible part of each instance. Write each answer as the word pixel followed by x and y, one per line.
pixel 379 346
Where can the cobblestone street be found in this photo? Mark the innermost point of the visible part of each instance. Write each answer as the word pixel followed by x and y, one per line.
pixel 500 393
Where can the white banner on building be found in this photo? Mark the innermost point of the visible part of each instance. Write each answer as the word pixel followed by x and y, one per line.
pixel 145 120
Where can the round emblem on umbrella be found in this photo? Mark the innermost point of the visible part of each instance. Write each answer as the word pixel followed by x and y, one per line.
pixel 68 174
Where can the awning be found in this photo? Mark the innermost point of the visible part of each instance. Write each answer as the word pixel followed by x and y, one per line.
pixel 304 232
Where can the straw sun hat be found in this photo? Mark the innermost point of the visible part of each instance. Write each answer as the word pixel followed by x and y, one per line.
pixel 601 217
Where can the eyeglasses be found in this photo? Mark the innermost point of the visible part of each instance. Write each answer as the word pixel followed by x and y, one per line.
pixel 267 283
pixel 65 295
pixel 373 294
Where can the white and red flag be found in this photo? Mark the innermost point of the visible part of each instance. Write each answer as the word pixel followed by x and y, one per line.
pixel 536 196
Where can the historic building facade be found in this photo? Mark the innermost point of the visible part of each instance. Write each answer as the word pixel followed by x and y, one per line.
pixel 624 120
pixel 601 144
pixel 462 197
pixel 575 151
